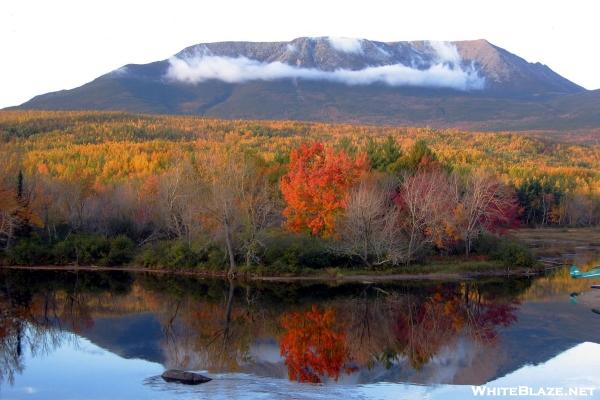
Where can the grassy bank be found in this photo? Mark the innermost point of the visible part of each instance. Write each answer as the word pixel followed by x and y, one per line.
pixel 449 269
pixel 557 241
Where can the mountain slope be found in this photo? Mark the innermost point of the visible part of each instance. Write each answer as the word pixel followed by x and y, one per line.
pixel 468 84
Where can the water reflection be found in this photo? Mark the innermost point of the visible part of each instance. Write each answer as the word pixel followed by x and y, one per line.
pixel 314 345
pixel 37 318
pixel 453 333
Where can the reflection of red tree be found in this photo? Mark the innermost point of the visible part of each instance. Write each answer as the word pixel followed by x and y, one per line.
pixel 492 316
pixel 312 347
pixel 422 329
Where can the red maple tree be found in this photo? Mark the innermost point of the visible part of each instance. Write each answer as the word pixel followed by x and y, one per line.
pixel 316 187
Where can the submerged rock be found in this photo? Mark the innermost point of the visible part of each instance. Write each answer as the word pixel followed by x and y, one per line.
pixel 185 377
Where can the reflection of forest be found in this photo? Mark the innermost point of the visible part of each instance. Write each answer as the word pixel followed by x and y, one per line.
pixel 560 281
pixel 357 333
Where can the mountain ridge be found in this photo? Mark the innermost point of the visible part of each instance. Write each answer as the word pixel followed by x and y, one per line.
pixel 470 83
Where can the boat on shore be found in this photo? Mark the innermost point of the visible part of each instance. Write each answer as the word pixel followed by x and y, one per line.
pixel 593 273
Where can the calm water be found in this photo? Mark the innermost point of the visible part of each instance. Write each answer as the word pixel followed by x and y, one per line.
pixel 94 335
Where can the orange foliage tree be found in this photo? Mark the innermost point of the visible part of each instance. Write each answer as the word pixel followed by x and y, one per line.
pixel 312 347
pixel 316 187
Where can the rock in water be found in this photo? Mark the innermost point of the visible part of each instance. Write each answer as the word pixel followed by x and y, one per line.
pixel 185 377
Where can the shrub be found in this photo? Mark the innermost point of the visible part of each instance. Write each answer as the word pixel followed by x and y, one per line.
pixel 81 249
pixel 510 252
pixel 286 252
pixel 180 254
pixel 514 254
pixel 214 257
pixel 121 251
pixel 169 254
pixel 30 251
pixel 152 255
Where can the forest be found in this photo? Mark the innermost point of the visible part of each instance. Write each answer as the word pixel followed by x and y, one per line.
pixel 101 188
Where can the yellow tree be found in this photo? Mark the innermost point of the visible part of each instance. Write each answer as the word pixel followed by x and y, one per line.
pixel 233 198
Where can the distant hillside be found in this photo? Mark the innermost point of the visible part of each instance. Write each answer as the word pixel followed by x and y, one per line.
pixel 469 84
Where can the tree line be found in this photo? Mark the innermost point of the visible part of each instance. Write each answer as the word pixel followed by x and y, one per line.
pixel 97 187
pixel 225 205
pixel 555 175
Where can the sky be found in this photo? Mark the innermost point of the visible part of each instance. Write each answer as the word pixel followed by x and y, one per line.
pixel 61 44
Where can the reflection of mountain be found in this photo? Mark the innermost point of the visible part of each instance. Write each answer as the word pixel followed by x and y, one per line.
pixel 456 333
pixel 96 374
pixel 573 368
pixel 546 329
pixel 464 361
pixel 533 339
pixel 129 336
pixel 580 361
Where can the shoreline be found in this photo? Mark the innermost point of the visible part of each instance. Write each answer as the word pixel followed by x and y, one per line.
pixel 357 278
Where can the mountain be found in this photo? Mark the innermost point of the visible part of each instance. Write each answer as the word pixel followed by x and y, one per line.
pixel 465 84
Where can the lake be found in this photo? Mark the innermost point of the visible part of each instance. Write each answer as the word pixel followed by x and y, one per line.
pixel 109 335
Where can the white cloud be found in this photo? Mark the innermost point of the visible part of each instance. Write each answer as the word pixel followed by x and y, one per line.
pixel 346 45
pixel 200 68
pixel 446 52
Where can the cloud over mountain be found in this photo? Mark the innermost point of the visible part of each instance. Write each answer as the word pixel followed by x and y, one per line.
pixel 347 45
pixel 447 71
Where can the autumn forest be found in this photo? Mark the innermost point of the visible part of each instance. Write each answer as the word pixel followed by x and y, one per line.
pixel 90 188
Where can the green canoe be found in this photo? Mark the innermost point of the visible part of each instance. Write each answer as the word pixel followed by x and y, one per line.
pixel 593 273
